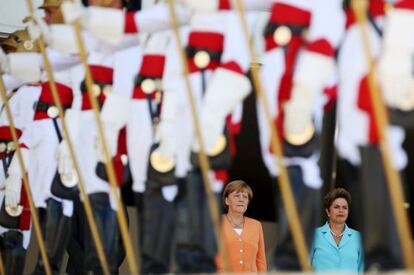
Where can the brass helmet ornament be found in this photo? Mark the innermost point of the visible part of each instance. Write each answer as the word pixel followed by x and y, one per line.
pixel 20 41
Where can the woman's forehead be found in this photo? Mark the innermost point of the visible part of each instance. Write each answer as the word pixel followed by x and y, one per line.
pixel 241 190
pixel 340 201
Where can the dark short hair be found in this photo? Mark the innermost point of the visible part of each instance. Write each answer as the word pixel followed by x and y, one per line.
pixel 334 194
pixel 236 186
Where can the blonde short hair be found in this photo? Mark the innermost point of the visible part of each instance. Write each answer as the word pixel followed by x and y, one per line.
pixel 236 186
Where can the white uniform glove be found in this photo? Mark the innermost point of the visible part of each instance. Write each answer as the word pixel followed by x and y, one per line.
pixel 37 28
pixel 65 164
pixel 66 167
pixel 106 24
pixel 25 66
pixel 13 189
pixel 395 73
pixel 14 180
pixel 311 75
pixel 165 134
pixel 4 62
pixel 114 116
pixel 225 90
pixel 298 113
pixel 73 11
pixel 111 132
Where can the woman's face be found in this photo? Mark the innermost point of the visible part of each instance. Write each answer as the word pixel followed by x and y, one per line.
pixel 338 211
pixel 237 201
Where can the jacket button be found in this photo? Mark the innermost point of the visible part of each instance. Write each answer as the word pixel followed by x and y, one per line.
pixel 241 250
pixel 241 262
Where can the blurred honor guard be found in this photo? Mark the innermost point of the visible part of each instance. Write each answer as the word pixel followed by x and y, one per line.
pixel 108 24
pixel 300 42
pixel 114 110
pixel 153 180
pixel 217 60
pixel 55 213
pixel 15 218
pixel 358 139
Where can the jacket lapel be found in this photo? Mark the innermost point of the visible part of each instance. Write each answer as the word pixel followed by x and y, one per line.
pixel 326 232
pixel 345 237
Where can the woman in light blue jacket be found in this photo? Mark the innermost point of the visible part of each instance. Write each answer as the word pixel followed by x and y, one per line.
pixel 337 247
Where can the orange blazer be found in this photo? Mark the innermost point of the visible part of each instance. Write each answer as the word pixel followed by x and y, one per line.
pixel 246 253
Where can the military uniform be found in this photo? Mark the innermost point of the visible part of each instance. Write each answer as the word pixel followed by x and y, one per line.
pixel 148 101
pixel 299 60
pixel 217 60
pixel 55 213
pixel 358 143
pixel 102 58
pixel 15 234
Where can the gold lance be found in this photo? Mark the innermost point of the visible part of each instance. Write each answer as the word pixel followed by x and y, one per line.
pixel 360 8
pixel 284 182
pixel 204 164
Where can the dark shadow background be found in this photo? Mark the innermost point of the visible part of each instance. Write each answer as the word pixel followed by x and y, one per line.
pixel 248 165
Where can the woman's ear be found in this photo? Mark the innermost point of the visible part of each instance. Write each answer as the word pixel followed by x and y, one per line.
pixel 327 212
pixel 226 201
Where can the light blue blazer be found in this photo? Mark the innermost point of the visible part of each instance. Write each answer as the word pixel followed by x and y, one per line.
pixel 327 256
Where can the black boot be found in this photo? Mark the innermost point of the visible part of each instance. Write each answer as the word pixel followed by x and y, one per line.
pixel 75 248
pixel 158 225
pixel 195 240
pixel 12 252
pixel 39 268
pixel 58 232
pixel 106 222
pixel 56 236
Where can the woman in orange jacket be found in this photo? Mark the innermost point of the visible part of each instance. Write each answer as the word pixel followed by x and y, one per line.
pixel 242 236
